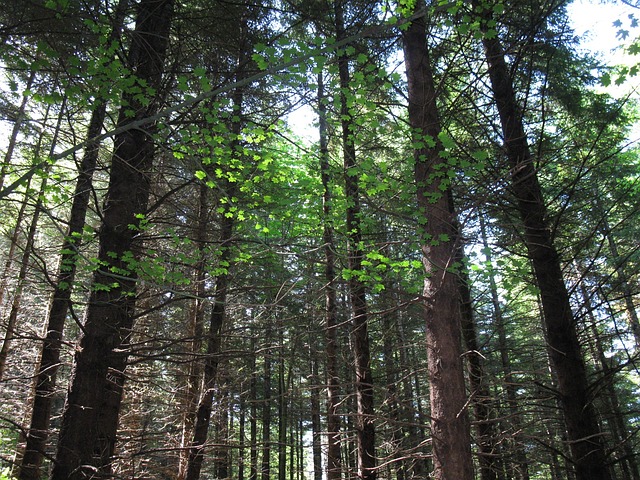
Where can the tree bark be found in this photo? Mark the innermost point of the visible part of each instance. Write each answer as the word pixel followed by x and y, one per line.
pixel 450 429
pixel 365 428
pixel 90 419
pixel 521 465
pixel 196 329
pixel 214 343
pixel 334 464
pixel 583 433
pixel 47 369
pixel 488 454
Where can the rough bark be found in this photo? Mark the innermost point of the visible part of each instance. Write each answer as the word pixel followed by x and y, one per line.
pixel 365 428
pixel 449 425
pixel 47 369
pixel 583 433
pixel 90 419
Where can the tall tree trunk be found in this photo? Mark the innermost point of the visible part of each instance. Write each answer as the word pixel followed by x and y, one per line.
pixel 365 428
pixel 253 412
pixel 196 334
pixel 265 466
pixel 30 239
pixel 609 397
pixel 283 419
pixel 241 434
pixel 488 455
pixel 451 438
pixel 13 139
pixel 316 427
pixel 627 292
pixel 334 466
pixel 390 372
pixel 521 465
pixel 47 369
pixel 583 434
pixel 214 342
pixel 90 419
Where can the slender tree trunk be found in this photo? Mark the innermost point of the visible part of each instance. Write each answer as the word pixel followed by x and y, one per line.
pixel 451 438
pixel 28 248
pixel 214 342
pixel 253 416
pixel 13 139
pixel 520 467
pixel 316 428
pixel 609 397
pixel 241 434
pixel 627 292
pixel 488 454
pixel 412 414
pixel 365 428
pixel 283 419
pixel 196 334
pixel 391 378
pixel 265 467
pixel 583 434
pixel 90 419
pixel 334 466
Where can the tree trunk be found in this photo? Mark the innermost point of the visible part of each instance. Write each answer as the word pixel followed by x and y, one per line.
pixel 283 419
pixel 583 434
pixel 13 139
pixel 90 419
pixel 196 334
pixel 31 234
pixel 253 412
pixel 334 466
pixel 450 429
pixel 214 342
pixel 520 467
pixel 316 428
pixel 365 428
pixel 627 292
pixel 47 369
pixel 488 455
pixel 265 467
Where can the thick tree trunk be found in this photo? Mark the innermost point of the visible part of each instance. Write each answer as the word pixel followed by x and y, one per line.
pixel 450 429
pixel 47 369
pixel 334 465
pixel 90 419
pixel 365 428
pixel 583 434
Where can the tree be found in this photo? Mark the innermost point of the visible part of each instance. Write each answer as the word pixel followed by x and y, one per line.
pixel 90 419
pixel 584 436
pixel 441 303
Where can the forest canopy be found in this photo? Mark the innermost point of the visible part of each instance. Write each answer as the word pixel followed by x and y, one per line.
pixel 317 239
